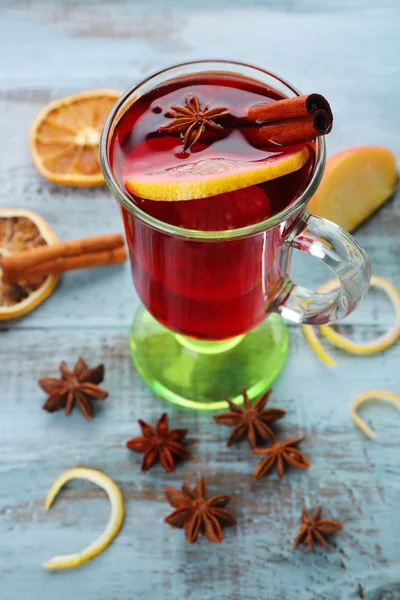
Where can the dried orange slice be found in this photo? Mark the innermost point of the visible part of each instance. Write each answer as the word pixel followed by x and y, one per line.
pixel 212 176
pixel 21 229
pixel 65 135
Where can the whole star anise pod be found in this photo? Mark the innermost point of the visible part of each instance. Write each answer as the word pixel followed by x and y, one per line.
pixel 277 454
pixel 74 387
pixel 314 529
pixel 191 120
pixel 196 514
pixel 159 443
pixel 250 419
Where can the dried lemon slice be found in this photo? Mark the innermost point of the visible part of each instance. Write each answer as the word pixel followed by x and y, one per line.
pixel 65 135
pixel 372 395
pixel 22 229
pixel 386 340
pixel 68 561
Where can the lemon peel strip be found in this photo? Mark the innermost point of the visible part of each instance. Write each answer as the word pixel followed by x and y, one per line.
pixel 386 340
pixel 68 561
pixel 372 395
pixel 316 345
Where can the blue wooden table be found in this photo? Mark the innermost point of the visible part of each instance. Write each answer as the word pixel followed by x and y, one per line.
pixel 349 51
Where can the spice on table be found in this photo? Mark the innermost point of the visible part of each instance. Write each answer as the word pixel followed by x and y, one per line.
pixel 192 119
pixel 69 561
pixel 250 419
pixel 78 386
pixel 288 121
pixel 278 454
pixel 314 529
pixel 159 443
pixel 196 514
pixel 63 256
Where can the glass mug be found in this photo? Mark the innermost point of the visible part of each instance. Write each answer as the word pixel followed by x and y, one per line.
pixel 203 334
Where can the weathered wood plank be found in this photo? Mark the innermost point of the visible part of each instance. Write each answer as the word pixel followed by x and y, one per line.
pixel 35 447
pixel 349 51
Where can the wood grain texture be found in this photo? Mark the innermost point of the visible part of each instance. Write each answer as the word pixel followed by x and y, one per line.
pixel 347 50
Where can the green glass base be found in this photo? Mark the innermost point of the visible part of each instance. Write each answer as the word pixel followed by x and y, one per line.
pixel 199 374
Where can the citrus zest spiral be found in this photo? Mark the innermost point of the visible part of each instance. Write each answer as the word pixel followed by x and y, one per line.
pixel 371 396
pixel 386 340
pixel 68 561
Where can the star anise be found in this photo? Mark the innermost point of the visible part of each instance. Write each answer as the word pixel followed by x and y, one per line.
pixel 196 514
pixel 250 419
pixel 314 529
pixel 159 443
pixel 74 387
pixel 191 120
pixel 277 454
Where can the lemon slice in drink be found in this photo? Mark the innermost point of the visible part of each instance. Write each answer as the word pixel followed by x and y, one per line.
pixel 212 176
pixel 68 561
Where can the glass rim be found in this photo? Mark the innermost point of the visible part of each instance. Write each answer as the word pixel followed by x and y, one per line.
pixel 125 200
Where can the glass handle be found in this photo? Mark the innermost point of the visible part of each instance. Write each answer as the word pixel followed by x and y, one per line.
pixel 340 252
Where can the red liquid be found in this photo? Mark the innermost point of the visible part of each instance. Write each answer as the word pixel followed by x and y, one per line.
pixel 206 289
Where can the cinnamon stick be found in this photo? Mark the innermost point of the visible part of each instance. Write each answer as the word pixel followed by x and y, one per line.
pixel 281 133
pixel 71 263
pixel 79 252
pixel 289 121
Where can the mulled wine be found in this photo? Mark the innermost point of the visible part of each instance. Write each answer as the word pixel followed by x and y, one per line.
pixel 211 289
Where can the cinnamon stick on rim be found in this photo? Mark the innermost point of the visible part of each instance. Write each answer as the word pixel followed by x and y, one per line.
pixel 289 121
pixel 63 256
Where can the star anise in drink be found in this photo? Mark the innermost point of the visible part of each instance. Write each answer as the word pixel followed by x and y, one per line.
pixel 159 443
pixel 314 529
pixel 191 120
pixel 196 514
pixel 78 386
pixel 278 454
pixel 250 419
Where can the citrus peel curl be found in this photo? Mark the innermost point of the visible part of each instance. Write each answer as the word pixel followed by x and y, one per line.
pixel 386 340
pixel 372 395
pixel 68 561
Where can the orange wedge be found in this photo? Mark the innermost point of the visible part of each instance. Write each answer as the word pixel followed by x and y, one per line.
pixel 356 182
pixel 21 229
pixel 212 176
pixel 65 135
